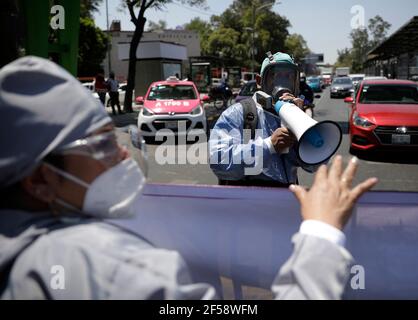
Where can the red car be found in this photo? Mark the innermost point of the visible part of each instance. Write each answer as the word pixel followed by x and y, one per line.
pixel 384 116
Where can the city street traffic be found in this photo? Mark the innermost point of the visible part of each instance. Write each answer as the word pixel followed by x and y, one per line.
pixel 396 172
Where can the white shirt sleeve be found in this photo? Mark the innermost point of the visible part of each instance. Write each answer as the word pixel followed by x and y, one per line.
pixel 323 230
pixel 269 144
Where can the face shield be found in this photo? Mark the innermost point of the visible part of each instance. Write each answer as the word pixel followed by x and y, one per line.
pixel 107 147
pixel 281 76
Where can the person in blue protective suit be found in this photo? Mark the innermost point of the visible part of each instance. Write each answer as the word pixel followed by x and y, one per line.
pixel 263 159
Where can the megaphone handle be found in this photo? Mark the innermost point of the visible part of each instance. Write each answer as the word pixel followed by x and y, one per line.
pixel 286 150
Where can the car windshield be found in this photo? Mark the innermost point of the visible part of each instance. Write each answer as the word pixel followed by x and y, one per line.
pixel 342 81
pixel 172 92
pixel 248 90
pixel 399 94
pixel 357 78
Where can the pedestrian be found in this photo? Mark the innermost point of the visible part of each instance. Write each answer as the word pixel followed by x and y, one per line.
pixel 58 189
pixel 276 168
pixel 100 86
pixel 306 91
pixel 113 86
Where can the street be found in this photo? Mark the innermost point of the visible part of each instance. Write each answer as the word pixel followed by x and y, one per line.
pixel 392 176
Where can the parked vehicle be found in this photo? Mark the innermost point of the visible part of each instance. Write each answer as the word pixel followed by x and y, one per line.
pixel 122 90
pixel 221 92
pixel 342 72
pixel 327 79
pixel 314 83
pixel 384 115
pixel 171 104
pixel 356 78
pixel 341 87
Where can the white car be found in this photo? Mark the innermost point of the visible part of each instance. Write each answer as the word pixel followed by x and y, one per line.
pixel 375 78
pixel 356 78
pixel 122 92
pixel 172 104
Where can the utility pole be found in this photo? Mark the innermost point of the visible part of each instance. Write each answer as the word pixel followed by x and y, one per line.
pixel 109 63
pixel 253 45
pixel 254 11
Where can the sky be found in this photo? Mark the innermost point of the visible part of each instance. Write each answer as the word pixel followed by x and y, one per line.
pixel 325 24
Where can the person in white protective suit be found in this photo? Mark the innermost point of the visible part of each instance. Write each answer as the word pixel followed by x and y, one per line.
pixel 63 174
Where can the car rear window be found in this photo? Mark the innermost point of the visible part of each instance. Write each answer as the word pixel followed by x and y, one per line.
pixel 399 94
pixel 172 92
pixel 343 81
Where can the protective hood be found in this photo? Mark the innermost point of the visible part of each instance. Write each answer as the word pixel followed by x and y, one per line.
pixel 43 107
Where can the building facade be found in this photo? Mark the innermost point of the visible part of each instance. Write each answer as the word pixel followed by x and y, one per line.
pixel 396 57
pixel 189 39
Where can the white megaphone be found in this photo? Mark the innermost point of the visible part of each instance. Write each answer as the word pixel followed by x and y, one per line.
pixel 318 141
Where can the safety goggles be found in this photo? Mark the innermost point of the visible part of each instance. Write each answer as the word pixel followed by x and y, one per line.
pixel 107 147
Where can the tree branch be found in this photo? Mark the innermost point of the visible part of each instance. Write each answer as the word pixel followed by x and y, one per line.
pixel 149 4
pixel 131 5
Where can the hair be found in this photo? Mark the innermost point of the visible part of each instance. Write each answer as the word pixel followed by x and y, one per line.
pixel 11 196
pixel 15 197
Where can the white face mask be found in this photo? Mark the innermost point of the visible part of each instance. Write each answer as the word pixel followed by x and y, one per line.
pixel 113 193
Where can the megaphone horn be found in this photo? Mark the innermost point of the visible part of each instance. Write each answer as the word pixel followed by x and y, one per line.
pixel 318 141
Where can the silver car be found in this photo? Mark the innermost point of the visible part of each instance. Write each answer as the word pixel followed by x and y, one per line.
pixel 341 87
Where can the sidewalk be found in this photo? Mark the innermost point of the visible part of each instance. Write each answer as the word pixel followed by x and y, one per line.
pixel 123 120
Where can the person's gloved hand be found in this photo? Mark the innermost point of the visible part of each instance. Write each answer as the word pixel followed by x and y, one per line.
pixel 282 139
pixel 296 101
pixel 331 198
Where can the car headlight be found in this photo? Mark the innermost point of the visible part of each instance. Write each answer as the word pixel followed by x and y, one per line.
pixel 361 122
pixel 196 111
pixel 146 112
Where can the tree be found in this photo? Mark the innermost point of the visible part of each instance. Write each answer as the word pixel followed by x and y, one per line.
pixel 296 45
pixel 345 58
pixel 88 7
pixel 361 45
pixel 92 48
pixel 363 40
pixel 139 20
pixel 378 29
pixel 224 42
pixel 204 29
pixel 249 18
pixel 157 26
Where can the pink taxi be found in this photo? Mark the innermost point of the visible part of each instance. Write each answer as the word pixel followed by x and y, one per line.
pixel 171 104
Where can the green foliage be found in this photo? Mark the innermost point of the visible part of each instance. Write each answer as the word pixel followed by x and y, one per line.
pixel 88 7
pixel 345 58
pixel 297 46
pixel 157 26
pixel 362 41
pixel 204 29
pixel 92 48
pixel 361 46
pixel 378 29
pixel 231 35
